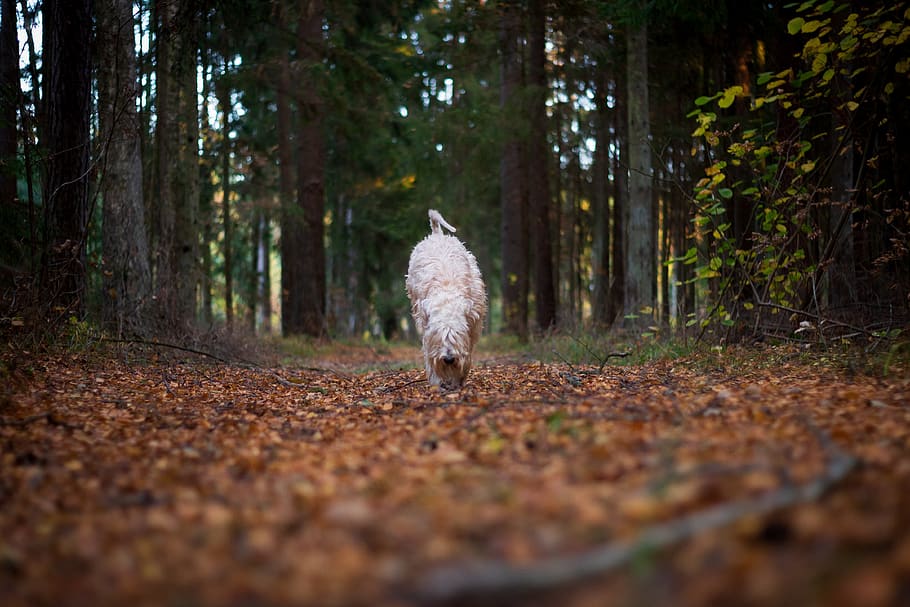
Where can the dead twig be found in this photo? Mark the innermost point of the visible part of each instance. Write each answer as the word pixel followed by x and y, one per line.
pixel 485 579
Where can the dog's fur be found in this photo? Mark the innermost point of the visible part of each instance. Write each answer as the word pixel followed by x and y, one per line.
pixel 448 303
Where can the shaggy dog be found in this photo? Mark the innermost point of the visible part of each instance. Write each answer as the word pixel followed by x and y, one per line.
pixel 448 303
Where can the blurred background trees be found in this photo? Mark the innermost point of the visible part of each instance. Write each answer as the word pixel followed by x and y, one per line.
pixel 721 168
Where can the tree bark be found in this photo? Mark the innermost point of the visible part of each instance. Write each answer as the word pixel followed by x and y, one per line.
pixel 600 254
pixel 538 171
pixel 67 100
pixel 263 272
pixel 166 145
pixel 187 184
pixel 639 244
pixel 620 200
pixel 177 133
pixel 224 101
pixel 514 215
pixel 126 282
pixel 291 255
pixel 842 271
pixel 311 172
pixel 9 97
pixel 207 164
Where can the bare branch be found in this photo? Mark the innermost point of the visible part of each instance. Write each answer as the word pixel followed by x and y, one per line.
pixel 497 577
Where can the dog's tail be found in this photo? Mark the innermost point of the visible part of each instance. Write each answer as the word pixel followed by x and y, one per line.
pixel 436 221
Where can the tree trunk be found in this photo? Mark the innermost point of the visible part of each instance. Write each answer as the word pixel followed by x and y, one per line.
pixel 291 255
pixel 679 221
pixel 187 194
pixel 620 200
pixel 514 216
pixel 67 99
pixel 31 126
pixel 206 197
pixel 9 97
pixel 224 101
pixel 166 146
pixel 177 132
pixel 311 174
pixel 127 281
pixel 538 172
pixel 28 18
pixel 263 272
pixel 600 250
pixel 639 244
pixel 842 271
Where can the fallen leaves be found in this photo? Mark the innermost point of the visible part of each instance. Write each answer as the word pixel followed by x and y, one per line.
pixel 212 484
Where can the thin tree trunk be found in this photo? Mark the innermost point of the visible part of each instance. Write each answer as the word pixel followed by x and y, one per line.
pixel 9 97
pixel 187 195
pixel 166 146
pixel 684 291
pixel 639 246
pixel 842 271
pixel 32 126
pixel 620 201
pixel 290 213
pixel 28 18
pixel 127 281
pixel 206 196
pixel 263 273
pixel 664 253
pixel 538 172
pixel 514 220
pixel 600 249
pixel 224 101
pixel 251 286
pixel 145 61
pixel 67 97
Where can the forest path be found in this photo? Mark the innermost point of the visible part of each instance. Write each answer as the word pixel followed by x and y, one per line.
pixel 765 479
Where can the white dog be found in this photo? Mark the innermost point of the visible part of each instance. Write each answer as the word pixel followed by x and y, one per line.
pixel 448 303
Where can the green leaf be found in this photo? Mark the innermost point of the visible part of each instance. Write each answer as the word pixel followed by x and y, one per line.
pixel 703 100
pixel 811 26
pixel 795 25
pixel 725 193
pixel 819 62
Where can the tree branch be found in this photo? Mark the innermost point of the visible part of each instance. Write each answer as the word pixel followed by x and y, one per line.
pixel 454 584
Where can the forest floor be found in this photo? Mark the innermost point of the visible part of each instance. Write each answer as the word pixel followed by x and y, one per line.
pixel 746 477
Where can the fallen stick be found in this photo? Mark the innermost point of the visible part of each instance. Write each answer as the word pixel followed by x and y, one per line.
pixel 488 578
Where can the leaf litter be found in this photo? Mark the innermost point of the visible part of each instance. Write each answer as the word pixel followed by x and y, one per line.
pixel 673 482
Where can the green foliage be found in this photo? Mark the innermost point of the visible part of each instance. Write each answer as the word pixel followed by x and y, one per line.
pixel 777 164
